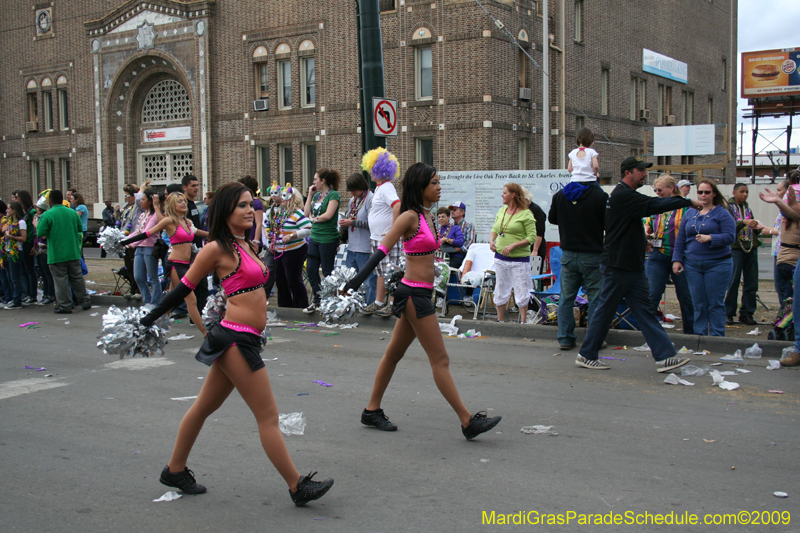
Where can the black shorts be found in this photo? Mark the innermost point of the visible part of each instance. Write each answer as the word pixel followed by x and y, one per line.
pixel 220 338
pixel 180 268
pixel 420 296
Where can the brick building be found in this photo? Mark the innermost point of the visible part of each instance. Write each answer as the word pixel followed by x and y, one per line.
pixel 98 93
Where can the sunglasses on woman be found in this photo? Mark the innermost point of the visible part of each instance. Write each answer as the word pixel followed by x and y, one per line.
pixel 703 192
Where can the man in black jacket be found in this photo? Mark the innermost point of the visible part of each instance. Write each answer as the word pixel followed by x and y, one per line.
pixel 622 266
pixel 579 212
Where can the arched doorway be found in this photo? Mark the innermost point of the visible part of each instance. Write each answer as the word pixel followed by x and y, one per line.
pixel 164 125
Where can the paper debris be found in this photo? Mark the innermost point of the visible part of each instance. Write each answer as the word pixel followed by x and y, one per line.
pixel 728 385
pixel 181 337
pixel 538 430
pixel 776 391
pixel 184 398
pixel 684 350
pixel 668 326
pixel 484 460
pixel 643 348
pixel 450 328
pixel 774 364
pixel 671 316
pixel 743 370
pixel 736 356
pixel 292 423
pixel 780 494
pixel 672 379
pixel 754 332
pixel 716 364
pixel 94 314
pixel 168 497
pixel 727 373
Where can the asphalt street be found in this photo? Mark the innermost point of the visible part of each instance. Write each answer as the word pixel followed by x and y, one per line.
pixel 82 443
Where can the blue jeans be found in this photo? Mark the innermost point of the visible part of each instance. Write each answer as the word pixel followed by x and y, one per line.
pixel 631 286
pixel 357 260
pixel 796 309
pixel 784 273
pixel 323 254
pixel 145 265
pixel 577 269
pixel 708 281
pixel 16 272
pixel 743 264
pixel 659 270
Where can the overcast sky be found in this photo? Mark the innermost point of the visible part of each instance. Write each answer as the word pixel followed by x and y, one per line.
pixel 767 25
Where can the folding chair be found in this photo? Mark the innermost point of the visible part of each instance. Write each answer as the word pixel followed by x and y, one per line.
pixel 122 280
pixel 623 318
pixel 554 289
pixel 482 258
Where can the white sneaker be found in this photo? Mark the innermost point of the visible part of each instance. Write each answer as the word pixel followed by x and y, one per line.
pixel 670 364
pixel 593 364
pixel 310 309
pixel 368 310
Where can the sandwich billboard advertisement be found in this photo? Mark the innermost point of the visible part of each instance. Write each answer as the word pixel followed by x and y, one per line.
pixel 770 73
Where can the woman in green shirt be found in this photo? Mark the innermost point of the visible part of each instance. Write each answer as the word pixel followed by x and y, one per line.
pixel 321 208
pixel 513 232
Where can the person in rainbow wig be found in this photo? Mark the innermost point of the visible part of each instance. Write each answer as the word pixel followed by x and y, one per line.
pixel 384 168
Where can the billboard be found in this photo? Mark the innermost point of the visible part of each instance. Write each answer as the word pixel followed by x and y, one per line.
pixel 684 140
pixel 770 73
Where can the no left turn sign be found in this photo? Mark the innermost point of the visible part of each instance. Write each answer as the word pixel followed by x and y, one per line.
pixel 384 116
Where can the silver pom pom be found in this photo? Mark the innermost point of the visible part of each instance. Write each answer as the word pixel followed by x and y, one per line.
pixel 109 239
pixel 335 307
pixel 214 311
pixel 441 273
pixel 124 334
pixel 393 274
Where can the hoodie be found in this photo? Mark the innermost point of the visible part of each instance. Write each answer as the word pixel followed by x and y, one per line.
pixel 579 211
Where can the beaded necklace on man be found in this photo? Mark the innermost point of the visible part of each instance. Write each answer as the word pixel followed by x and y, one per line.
pixel 355 207
pixel 743 212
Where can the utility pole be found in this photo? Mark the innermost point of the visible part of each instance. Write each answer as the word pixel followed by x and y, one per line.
pixel 370 70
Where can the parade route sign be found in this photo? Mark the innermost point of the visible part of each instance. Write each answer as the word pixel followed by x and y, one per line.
pixel 480 191
pixel 384 116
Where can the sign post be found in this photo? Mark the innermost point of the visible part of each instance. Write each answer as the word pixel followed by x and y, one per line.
pixel 384 116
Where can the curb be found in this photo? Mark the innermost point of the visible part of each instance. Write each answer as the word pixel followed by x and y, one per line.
pixel 696 343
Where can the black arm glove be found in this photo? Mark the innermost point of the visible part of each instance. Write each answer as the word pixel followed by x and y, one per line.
pixel 365 271
pixel 171 300
pixel 136 238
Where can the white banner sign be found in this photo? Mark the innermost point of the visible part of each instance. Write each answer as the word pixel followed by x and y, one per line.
pixel 684 140
pixel 664 66
pixel 480 191
pixel 168 134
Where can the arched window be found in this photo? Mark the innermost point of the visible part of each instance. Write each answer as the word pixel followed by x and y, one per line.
pixel 167 101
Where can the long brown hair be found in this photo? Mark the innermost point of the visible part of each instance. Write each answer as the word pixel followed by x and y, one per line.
pixel 718 198
pixel 519 194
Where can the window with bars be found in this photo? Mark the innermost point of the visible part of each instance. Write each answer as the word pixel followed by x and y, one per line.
pixel 167 101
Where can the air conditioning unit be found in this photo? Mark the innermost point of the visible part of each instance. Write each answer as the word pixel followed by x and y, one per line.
pixel 670 121
pixel 31 126
pixel 644 114
pixel 261 105
pixel 524 93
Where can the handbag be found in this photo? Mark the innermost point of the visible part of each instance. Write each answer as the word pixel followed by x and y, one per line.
pixel 84 268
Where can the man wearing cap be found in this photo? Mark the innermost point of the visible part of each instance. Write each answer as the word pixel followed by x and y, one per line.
pixel 457 212
pixel 622 266
pixel 685 186
pixel 579 211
